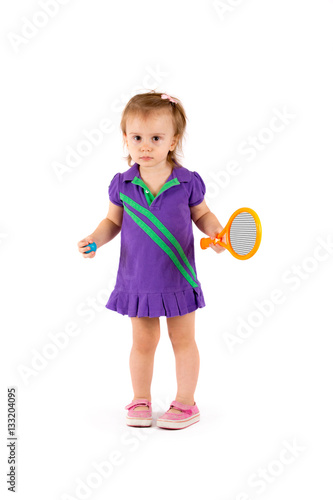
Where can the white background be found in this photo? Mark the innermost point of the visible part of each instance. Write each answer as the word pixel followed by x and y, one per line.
pixel 232 65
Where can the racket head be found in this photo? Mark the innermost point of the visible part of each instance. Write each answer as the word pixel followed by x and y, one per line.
pixel 243 233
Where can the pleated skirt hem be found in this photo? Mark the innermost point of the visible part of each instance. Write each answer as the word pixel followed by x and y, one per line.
pixel 154 305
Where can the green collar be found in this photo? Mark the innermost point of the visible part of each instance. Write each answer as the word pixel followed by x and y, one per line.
pixel 149 195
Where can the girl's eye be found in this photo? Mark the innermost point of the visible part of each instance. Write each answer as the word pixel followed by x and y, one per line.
pixel 155 137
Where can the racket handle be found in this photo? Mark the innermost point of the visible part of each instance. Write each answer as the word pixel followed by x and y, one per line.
pixel 205 242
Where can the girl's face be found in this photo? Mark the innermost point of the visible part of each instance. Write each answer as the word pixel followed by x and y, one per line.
pixel 150 139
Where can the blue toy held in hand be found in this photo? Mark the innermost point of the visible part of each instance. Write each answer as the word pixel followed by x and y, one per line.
pixel 92 247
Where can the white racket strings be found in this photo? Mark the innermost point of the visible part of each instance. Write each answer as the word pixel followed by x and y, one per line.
pixel 243 233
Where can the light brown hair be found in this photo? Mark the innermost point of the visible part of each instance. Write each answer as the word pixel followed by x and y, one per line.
pixel 146 103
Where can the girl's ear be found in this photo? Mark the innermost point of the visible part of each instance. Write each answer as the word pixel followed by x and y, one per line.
pixel 175 140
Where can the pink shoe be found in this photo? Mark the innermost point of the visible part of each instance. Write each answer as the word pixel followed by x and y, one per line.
pixel 139 418
pixel 190 415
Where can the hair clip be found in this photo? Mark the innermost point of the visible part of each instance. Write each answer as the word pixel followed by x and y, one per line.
pixel 166 96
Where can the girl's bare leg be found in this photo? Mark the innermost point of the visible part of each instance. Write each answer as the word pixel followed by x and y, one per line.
pixel 182 335
pixel 146 335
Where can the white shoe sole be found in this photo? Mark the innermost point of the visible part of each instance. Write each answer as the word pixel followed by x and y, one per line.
pixel 139 422
pixel 177 424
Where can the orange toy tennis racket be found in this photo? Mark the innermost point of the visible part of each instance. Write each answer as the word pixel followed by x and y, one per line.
pixel 242 234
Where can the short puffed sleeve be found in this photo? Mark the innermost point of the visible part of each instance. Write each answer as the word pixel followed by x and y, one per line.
pixel 114 191
pixel 198 190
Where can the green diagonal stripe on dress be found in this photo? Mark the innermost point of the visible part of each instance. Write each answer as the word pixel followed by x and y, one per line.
pixel 161 244
pixel 160 226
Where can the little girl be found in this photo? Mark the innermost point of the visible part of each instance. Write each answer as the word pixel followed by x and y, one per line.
pixel 153 204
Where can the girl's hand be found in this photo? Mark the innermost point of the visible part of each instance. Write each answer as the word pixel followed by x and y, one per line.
pixel 217 248
pixel 81 244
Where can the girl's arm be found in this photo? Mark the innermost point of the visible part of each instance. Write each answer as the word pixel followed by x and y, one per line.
pixel 205 220
pixel 104 232
pixel 108 227
pixel 208 223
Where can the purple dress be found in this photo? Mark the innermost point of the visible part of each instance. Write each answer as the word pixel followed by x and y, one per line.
pixel 156 274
